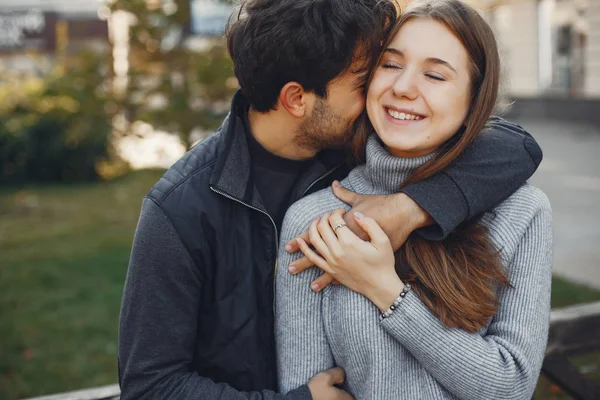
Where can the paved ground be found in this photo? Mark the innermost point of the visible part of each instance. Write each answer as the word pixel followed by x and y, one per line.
pixel 570 176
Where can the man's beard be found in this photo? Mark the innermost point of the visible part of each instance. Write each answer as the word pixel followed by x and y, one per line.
pixel 324 130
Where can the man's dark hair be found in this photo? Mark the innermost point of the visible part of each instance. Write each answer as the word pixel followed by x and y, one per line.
pixel 273 42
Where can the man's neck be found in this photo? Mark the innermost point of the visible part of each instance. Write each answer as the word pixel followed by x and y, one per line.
pixel 276 133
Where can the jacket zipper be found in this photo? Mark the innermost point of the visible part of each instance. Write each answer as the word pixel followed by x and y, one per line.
pixel 271 219
pixel 274 228
pixel 252 207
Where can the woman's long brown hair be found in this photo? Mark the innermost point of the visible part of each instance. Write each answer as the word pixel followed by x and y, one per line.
pixel 455 278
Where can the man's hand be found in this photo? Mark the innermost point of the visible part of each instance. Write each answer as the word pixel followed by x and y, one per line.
pixel 397 214
pixel 322 385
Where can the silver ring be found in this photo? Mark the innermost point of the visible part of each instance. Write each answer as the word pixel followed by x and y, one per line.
pixel 340 225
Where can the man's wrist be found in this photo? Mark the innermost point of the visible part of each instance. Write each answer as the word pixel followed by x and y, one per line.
pixel 414 216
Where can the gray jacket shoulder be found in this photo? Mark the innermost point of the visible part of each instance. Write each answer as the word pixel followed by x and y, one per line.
pixel 300 214
pixel 509 221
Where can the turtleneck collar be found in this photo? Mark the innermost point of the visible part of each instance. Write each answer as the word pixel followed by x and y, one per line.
pixel 383 173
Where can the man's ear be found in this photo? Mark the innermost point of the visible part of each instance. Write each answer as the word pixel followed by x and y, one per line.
pixel 295 100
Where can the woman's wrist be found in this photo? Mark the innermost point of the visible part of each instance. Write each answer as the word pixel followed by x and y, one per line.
pixel 385 293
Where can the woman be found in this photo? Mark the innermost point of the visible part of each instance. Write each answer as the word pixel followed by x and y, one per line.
pixel 464 318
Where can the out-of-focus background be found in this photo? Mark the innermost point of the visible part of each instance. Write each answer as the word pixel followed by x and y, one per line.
pixel 98 97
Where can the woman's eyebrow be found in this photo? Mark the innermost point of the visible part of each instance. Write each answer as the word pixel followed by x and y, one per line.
pixel 439 61
pixel 433 60
pixel 394 51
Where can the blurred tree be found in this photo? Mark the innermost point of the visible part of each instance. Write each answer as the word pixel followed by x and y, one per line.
pixel 57 127
pixel 173 86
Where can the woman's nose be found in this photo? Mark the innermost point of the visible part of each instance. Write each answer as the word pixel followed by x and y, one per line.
pixel 405 85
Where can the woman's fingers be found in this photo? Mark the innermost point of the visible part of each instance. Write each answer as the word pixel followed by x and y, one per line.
pixel 378 237
pixel 292 245
pixel 314 257
pixel 301 264
pixel 323 234
pixel 321 282
pixel 337 223
pixel 316 240
pixel 329 237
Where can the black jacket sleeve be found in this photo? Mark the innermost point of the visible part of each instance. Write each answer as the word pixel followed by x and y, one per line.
pixel 158 323
pixel 498 162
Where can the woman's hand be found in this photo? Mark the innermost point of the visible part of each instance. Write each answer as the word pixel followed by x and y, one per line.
pixel 397 214
pixel 366 267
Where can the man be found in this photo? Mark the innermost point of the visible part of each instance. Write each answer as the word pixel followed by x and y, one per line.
pixel 197 312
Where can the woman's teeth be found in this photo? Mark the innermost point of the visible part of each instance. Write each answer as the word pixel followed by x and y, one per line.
pixel 402 115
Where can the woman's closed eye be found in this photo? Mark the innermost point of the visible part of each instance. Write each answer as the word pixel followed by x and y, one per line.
pixel 436 77
pixel 391 65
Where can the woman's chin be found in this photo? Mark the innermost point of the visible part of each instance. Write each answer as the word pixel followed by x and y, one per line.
pixel 401 146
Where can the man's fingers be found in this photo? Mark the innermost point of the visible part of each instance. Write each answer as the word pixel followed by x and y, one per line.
pixel 345 195
pixel 336 375
pixel 369 225
pixel 321 282
pixel 292 245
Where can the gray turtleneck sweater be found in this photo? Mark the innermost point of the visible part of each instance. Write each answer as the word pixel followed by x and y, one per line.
pixel 411 355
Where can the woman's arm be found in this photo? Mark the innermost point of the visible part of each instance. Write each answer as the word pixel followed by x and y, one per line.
pixel 503 363
pixel 506 361
pixel 302 348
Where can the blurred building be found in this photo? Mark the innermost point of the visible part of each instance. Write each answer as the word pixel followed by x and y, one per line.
pixel 34 34
pixel 209 17
pixel 551 55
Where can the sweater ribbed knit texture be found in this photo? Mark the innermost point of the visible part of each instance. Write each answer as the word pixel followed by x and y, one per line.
pixel 411 355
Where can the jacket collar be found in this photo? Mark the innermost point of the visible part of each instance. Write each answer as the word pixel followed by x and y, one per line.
pixel 233 169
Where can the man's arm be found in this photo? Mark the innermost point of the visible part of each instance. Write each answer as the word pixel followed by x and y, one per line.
pixel 159 317
pixel 498 162
pixel 493 167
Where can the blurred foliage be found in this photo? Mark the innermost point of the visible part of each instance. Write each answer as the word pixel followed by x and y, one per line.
pixel 59 127
pixel 174 86
pixel 56 127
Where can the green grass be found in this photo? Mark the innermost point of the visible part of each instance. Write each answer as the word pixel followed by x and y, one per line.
pixel 64 252
pixel 63 258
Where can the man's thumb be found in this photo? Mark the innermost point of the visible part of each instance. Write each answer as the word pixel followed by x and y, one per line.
pixel 336 375
pixel 345 195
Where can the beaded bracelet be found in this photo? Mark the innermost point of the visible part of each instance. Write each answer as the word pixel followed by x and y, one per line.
pixel 396 302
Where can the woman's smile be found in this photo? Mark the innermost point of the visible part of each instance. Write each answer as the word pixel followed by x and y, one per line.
pixel 402 116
